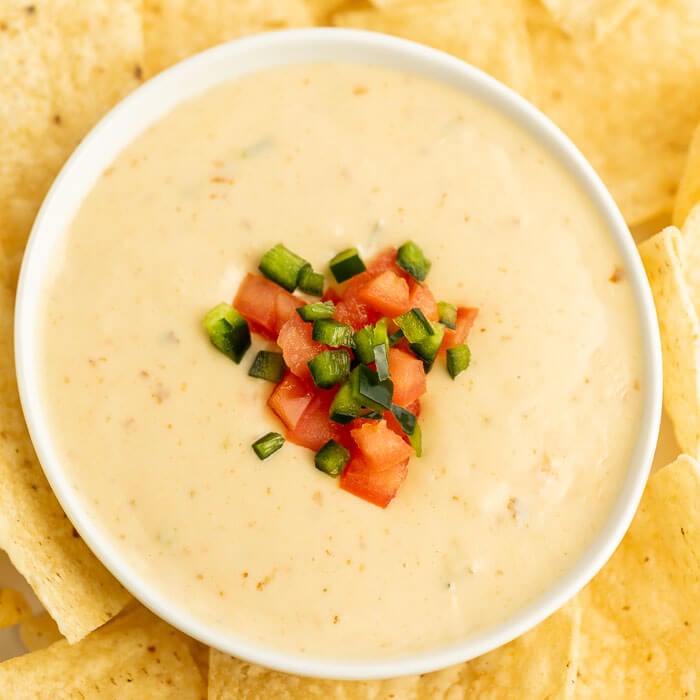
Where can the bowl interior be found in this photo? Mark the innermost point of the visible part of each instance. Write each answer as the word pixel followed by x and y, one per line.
pixel 225 63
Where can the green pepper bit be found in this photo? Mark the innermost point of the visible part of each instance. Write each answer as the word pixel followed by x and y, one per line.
pixel 282 266
pixel 267 445
pixel 346 264
pixel 447 313
pixel 329 368
pixel 317 310
pixel 310 281
pixel 268 365
pixel 411 259
pixel 228 331
pixel 458 359
pixel 332 458
pixel 333 333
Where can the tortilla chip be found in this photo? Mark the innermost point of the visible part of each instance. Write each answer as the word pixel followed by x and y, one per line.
pixel 641 614
pixel 136 656
pixel 13 608
pixel 689 187
pixel 691 258
pixel 64 64
pixel 593 18
pixel 629 102
pixel 321 10
pixel 540 664
pixel 175 29
pixel 663 258
pixel 39 632
pixel 474 31
pixel 34 531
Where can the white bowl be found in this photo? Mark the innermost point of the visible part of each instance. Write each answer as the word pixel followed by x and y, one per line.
pixel 227 62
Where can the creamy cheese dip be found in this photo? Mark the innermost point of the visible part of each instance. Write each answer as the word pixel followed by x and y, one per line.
pixel 524 453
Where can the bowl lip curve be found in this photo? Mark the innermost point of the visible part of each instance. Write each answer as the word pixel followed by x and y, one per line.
pixel 369 48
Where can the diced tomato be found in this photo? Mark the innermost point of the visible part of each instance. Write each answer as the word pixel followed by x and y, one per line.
pixel 314 429
pixel 354 313
pixel 380 446
pixel 289 399
pixel 298 348
pixel 331 295
pixel 408 374
pixel 393 424
pixel 465 320
pixel 387 294
pixel 422 298
pixel 386 260
pixel 378 486
pixel 414 408
pixel 264 304
pixel 286 306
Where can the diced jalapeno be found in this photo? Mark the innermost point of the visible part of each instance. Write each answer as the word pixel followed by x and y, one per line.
pixel 346 264
pixel 267 445
pixel 228 331
pixel 411 259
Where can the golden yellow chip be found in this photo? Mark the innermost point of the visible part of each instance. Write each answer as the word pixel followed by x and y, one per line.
pixel 691 257
pixel 13 608
pixel 539 664
pixel 136 656
pixel 175 29
pixel 490 35
pixel 321 10
pixel 689 187
pixel 663 258
pixel 629 102
pixel 39 632
pixel 64 64
pixel 641 615
pixel 593 18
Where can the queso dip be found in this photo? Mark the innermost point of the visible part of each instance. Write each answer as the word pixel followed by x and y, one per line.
pixel 523 454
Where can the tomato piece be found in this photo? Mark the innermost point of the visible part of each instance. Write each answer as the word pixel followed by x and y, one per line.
pixel 386 260
pixel 331 294
pixel 354 313
pixel 289 399
pixel 378 486
pixel 314 429
pixel 421 297
pixel 380 446
pixel 387 294
pixel 414 408
pixel 264 303
pixel 393 424
pixel 286 306
pixel 466 316
pixel 298 347
pixel 408 374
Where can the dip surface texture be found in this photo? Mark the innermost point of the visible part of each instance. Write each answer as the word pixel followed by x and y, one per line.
pixel 524 453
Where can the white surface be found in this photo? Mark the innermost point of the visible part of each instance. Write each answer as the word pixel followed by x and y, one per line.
pixel 245 56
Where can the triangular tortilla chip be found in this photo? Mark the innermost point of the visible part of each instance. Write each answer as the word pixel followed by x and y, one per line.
pixel 591 18
pixel 13 608
pixel 641 614
pixel 136 656
pixel 663 258
pixel 539 664
pixel 629 102
pixel 64 64
pixel 473 31
pixel 175 29
pixel 689 186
